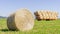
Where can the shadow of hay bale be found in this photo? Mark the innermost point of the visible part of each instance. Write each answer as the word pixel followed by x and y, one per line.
pixel 5 30
pixel 47 19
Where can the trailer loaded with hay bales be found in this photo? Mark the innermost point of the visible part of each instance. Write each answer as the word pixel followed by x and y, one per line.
pixel 46 15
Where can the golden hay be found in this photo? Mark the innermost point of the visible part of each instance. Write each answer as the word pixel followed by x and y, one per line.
pixel 21 20
pixel 45 14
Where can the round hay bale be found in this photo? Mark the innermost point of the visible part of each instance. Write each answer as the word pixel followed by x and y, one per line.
pixel 55 17
pixel 21 20
pixel 52 16
pixel 40 15
pixel 54 12
pixel 44 15
pixel 47 15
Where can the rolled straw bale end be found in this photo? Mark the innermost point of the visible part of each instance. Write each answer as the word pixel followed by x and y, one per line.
pixel 22 20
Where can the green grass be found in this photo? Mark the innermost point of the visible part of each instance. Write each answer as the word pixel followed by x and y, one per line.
pixel 40 27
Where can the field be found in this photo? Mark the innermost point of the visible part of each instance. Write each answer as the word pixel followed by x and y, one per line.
pixel 40 27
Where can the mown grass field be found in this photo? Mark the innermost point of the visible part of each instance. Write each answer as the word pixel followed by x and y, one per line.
pixel 40 27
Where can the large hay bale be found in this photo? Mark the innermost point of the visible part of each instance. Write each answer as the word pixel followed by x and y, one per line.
pixel 20 20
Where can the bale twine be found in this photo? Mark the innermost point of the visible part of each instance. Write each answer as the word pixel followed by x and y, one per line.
pixel 20 20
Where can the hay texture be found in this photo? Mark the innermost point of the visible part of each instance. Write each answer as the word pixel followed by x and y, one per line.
pixel 46 15
pixel 21 20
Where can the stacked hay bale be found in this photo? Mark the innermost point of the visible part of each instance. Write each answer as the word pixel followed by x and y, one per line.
pixel 53 15
pixel 20 20
pixel 38 15
pixel 46 15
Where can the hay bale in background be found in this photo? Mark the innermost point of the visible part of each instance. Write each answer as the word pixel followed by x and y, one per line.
pixel 21 20
pixel 38 15
pixel 46 15
pixel 49 14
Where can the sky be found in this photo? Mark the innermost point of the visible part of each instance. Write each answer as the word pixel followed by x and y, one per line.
pixel 10 6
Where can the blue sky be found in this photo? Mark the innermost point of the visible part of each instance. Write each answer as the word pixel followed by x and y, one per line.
pixel 9 6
